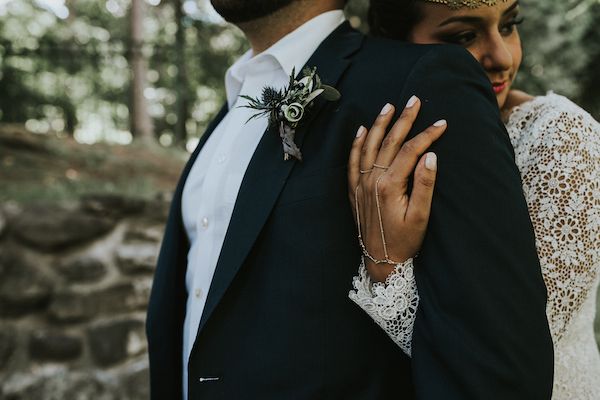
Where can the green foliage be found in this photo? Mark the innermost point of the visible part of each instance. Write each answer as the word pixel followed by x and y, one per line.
pixel 561 44
pixel 73 74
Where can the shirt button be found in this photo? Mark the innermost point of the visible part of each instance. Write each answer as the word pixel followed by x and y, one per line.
pixel 221 159
pixel 205 222
pixel 198 293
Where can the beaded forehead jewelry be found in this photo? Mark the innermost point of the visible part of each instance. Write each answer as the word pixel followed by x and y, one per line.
pixel 455 4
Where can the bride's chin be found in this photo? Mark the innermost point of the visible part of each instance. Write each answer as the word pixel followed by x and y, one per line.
pixel 501 101
pixel 502 98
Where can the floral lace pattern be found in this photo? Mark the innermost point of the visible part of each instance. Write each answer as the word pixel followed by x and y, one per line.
pixel 393 304
pixel 557 150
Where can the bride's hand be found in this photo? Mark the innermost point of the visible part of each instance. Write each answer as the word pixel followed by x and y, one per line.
pixel 382 165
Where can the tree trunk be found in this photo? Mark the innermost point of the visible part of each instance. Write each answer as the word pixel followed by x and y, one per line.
pixel 181 89
pixel 141 123
pixel 70 4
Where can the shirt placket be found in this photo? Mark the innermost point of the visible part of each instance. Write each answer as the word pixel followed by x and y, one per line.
pixel 210 220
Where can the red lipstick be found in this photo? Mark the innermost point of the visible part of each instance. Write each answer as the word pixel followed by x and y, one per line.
pixel 499 86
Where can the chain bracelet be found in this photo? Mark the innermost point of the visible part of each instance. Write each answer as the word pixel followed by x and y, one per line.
pixel 360 240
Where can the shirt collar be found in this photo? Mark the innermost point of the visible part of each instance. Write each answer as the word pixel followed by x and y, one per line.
pixel 290 52
pixel 294 49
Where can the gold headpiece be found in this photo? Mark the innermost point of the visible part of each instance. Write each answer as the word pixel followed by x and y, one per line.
pixel 455 4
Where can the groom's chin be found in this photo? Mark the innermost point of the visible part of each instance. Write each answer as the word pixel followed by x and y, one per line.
pixel 240 11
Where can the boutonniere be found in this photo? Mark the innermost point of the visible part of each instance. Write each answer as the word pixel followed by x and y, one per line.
pixel 287 107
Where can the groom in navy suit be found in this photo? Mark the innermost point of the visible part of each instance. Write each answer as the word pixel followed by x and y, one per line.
pixel 249 299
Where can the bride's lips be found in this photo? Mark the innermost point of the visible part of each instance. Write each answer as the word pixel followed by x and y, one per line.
pixel 499 86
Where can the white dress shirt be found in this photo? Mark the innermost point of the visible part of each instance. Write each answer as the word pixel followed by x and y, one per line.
pixel 214 180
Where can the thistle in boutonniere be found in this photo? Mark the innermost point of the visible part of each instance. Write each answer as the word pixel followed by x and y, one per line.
pixel 287 107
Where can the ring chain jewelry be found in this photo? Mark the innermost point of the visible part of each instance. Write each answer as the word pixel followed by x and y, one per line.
pixel 360 240
pixel 381 167
pixel 456 4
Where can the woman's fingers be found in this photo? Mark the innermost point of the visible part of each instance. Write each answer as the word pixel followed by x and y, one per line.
pixel 406 159
pixel 394 139
pixel 403 214
pixel 354 161
pixel 419 204
pixel 376 134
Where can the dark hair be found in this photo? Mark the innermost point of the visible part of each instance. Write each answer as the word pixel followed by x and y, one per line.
pixel 393 19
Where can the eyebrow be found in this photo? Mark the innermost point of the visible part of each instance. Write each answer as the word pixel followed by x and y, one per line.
pixel 473 20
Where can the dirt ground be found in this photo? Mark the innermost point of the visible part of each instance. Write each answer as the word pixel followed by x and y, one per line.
pixel 39 168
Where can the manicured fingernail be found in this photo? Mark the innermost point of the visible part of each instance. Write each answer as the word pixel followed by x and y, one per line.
pixel 431 161
pixel 411 102
pixel 361 131
pixel 441 122
pixel 386 109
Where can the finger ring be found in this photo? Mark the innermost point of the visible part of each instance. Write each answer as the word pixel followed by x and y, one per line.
pixel 366 171
pixel 381 167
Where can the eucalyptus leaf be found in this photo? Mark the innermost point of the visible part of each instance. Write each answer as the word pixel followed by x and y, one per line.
pixel 330 93
pixel 312 96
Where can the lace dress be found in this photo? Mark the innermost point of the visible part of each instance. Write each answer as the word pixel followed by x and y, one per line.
pixel 557 149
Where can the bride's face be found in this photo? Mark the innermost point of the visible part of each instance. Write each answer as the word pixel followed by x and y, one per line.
pixel 488 32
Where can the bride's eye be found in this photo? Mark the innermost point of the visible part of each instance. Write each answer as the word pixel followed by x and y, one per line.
pixel 462 38
pixel 509 27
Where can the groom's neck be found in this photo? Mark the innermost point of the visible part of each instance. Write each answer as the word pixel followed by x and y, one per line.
pixel 263 32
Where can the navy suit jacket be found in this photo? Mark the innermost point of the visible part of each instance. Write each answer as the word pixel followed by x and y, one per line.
pixel 278 323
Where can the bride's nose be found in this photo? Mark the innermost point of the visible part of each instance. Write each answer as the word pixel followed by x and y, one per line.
pixel 496 56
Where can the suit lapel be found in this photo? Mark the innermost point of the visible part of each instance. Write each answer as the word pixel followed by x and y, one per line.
pixel 267 172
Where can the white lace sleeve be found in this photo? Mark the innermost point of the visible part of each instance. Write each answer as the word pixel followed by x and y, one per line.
pixel 557 148
pixel 393 304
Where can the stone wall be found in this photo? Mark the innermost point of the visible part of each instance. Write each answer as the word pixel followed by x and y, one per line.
pixel 74 286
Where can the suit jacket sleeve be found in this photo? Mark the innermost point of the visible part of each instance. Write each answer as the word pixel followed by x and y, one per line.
pixel 481 330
